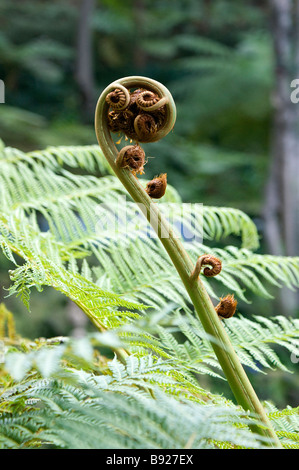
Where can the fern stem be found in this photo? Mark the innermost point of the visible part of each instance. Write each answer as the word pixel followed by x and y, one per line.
pixel 228 359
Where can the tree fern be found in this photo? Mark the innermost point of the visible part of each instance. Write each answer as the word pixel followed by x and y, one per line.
pixel 40 270
pixel 60 195
pixel 72 221
pixel 252 339
pixel 123 406
pixel 72 213
pixel 114 409
pixel 241 269
pixel 128 420
pixel 50 232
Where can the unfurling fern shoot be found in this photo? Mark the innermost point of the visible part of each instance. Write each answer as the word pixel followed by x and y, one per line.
pixel 210 260
pixel 150 114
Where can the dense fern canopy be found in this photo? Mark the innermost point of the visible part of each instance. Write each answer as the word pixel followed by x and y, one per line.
pixel 58 228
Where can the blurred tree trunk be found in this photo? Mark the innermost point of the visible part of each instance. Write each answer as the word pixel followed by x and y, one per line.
pixel 84 64
pixel 139 55
pixel 281 203
pixel 78 320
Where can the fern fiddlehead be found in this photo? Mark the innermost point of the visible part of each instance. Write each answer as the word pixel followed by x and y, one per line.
pixel 226 307
pixel 210 260
pixel 149 116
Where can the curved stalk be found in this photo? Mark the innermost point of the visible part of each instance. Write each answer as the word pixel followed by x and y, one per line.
pixel 227 357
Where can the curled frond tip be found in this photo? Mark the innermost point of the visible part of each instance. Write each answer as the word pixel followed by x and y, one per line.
pixel 210 260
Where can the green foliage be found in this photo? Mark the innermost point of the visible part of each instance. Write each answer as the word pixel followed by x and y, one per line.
pixel 253 341
pixel 103 418
pixel 72 393
pixel 73 207
pixel 217 65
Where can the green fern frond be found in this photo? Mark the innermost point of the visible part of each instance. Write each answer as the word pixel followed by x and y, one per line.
pixel 39 270
pixel 134 267
pixel 180 360
pixel 253 340
pixel 70 203
pixel 88 157
pixel 286 424
pixel 114 409
pixel 220 222
pixel 156 282
pixel 50 159
pixel 115 414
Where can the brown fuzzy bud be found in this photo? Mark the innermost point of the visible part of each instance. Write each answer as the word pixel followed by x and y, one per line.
pixel 226 307
pixel 113 121
pixel 117 99
pixel 156 188
pixel 210 260
pixel 132 156
pixel 122 121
